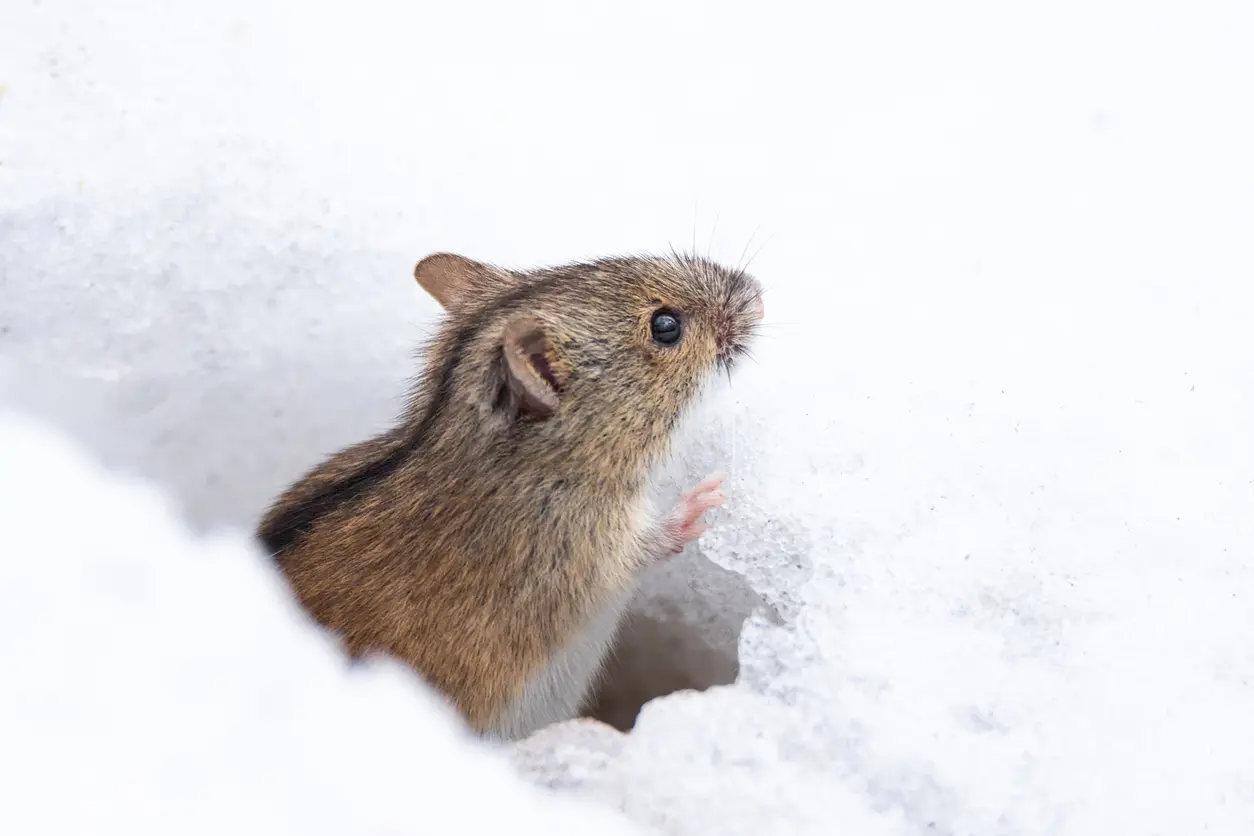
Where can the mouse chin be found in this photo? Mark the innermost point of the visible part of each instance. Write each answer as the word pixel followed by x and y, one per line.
pixel 729 359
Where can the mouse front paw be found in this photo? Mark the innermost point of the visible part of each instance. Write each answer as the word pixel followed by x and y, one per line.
pixel 684 524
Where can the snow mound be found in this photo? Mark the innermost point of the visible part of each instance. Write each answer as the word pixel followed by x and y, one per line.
pixel 969 652
pixel 156 682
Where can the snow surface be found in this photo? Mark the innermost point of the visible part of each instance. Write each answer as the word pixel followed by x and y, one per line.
pixel 159 683
pixel 993 468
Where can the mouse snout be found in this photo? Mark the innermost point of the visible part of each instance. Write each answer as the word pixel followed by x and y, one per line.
pixel 761 308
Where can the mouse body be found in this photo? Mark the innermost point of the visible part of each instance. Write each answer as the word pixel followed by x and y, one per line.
pixel 493 537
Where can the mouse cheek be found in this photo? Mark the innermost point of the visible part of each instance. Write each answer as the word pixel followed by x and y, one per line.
pixel 725 334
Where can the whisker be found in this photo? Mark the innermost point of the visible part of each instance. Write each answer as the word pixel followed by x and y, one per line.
pixel 749 243
pixel 759 250
pixel 679 259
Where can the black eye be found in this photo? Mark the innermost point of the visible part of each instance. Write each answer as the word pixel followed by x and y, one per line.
pixel 666 328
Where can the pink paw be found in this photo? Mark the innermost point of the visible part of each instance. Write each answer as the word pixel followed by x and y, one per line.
pixel 684 523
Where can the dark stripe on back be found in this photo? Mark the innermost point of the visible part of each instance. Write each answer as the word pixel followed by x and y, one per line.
pixel 295 522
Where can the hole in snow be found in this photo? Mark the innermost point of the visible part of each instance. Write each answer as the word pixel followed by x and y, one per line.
pixel 682 632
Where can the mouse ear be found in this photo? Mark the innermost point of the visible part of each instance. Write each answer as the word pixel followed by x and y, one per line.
pixel 529 368
pixel 447 277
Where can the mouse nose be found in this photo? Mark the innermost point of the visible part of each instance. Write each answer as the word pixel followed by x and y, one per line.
pixel 761 308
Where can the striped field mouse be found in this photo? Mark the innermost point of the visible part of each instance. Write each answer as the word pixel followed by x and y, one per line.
pixel 492 538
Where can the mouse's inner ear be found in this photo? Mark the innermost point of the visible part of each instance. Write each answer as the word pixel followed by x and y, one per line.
pixel 531 386
pixel 452 278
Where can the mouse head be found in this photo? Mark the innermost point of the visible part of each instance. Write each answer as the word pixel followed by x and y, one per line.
pixel 602 357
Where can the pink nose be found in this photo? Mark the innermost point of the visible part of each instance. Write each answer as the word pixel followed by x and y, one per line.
pixel 761 308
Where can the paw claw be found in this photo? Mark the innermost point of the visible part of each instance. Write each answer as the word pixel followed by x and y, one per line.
pixel 685 521
pixel 709 483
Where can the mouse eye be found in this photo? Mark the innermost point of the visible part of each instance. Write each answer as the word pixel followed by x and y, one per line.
pixel 666 327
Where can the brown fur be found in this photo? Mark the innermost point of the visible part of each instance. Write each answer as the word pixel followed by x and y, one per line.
pixel 474 539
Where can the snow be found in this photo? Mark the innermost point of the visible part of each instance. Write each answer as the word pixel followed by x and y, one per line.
pixel 156 682
pixel 991 532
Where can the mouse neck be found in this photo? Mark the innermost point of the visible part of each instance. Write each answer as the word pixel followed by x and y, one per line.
pixel 582 444
pixel 617 471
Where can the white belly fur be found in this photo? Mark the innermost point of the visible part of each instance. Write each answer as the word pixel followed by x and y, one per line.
pixel 557 692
